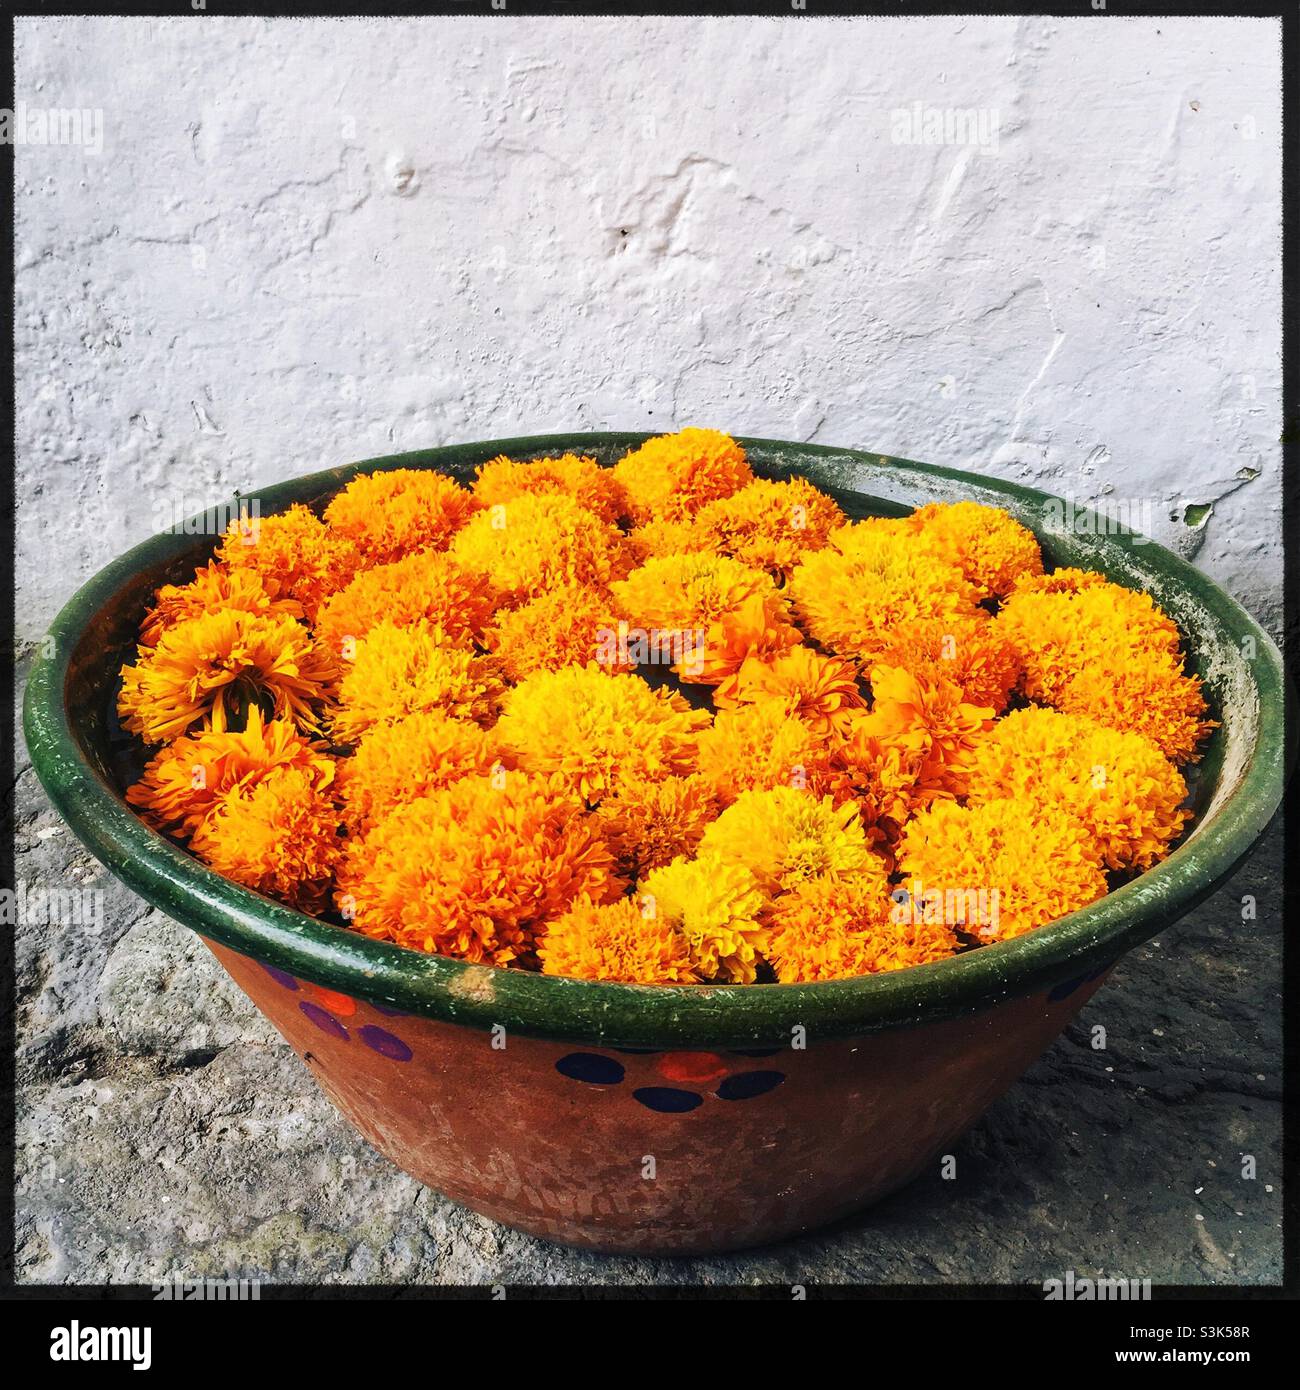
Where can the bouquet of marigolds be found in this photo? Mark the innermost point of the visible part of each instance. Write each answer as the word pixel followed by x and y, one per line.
pixel 661 723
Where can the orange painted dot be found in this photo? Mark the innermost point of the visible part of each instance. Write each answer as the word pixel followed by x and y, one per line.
pixel 697 1067
pixel 339 1004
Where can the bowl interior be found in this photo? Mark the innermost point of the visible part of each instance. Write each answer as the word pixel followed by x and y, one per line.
pixel 86 761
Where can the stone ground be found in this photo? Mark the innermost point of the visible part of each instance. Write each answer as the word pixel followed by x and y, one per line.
pixel 165 1130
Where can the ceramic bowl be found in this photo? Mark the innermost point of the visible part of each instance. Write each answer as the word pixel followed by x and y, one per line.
pixel 672 1119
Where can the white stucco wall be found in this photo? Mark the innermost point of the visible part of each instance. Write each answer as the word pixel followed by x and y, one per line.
pixel 305 242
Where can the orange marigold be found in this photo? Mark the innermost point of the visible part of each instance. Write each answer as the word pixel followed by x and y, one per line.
pixel 649 822
pixel 540 540
pixel 213 586
pixel 388 515
pixel 503 479
pixel 429 586
pixel 1127 794
pixel 836 928
pixel 992 549
pixel 569 625
pixel 294 553
pixel 595 730
pixel 212 669
pixel 1026 869
pixel 182 784
pixel 871 580
pixel 409 757
pixel 672 476
pixel 770 525
pixel 815 688
pixel 476 869
pixel 399 670
pixel 278 836
pixel 615 941
pixel 971 652
pixel 760 746
pixel 883 774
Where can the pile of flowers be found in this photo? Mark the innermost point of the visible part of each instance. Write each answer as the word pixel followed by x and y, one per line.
pixel 661 723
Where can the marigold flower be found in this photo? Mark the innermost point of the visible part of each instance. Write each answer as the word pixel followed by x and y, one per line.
pixel 973 653
pixel 596 730
pixel 400 670
pixel 784 836
pixel 931 711
pixel 294 553
pixel 837 928
pixel 883 774
pixel 661 537
pixel 616 941
pixel 760 746
pixel 475 870
pixel 213 586
pixel 569 625
pixel 1126 793
pixel 1092 647
pixel 428 586
pixel 992 549
pixel 852 596
pixel 648 822
pixel 1030 868
pixel 503 479
pixel 388 515
pixel 715 904
pixel 817 689
pixel 538 541
pixel 410 757
pixel 184 781
pixel 672 476
pixel 278 836
pixel 212 669
pixel 770 525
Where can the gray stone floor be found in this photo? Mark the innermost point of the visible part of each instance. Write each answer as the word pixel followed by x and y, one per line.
pixel 164 1130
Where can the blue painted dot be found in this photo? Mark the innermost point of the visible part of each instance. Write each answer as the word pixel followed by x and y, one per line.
pixel 327 1023
pixel 746 1085
pixel 591 1067
pixel 386 1043
pixel 667 1100
pixel 281 977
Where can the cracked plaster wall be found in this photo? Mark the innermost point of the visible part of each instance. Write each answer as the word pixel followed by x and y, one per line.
pixel 308 242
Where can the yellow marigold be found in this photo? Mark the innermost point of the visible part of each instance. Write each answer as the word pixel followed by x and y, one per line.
pixel 993 550
pixel 591 486
pixel 616 941
pixel 815 688
pixel 672 476
pixel 649 822
pixel 596 730
pixel 1125 791
pixel 1026 868
pixel 660 537
pixel 931 710
pixel 279 836
pixel 715 904
pixel 538 541
pixel 836 928
pixel 294 553
pixel 182 783
pixel 784 836
pixel 760 746
pixel 428 586
pixel 410 757
pixel 871 580
pixel 388 515
pixel 399 670
pixel 973 653
pixel 475 869
pixel 771 525
pixel 212 669
pixel 213 586
pixel 1092 647
pixel 569 625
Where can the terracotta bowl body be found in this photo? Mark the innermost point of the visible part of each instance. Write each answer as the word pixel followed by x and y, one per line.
pixel 666 1120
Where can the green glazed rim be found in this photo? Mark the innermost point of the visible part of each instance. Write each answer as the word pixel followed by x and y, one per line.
pixel 1243 774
